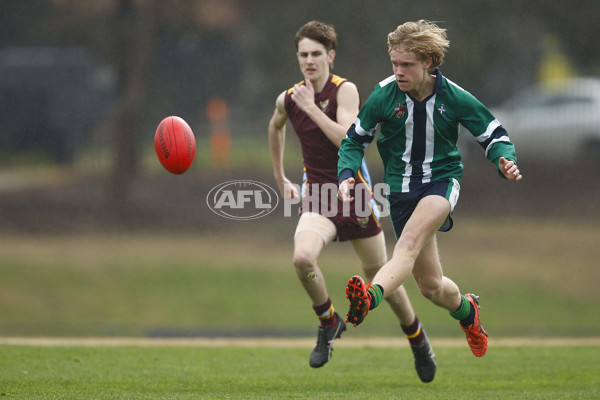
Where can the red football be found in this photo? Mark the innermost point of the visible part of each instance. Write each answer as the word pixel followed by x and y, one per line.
pixel 175 144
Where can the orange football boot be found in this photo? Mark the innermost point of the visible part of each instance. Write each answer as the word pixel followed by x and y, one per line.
pixel 357 293
pixel 477 337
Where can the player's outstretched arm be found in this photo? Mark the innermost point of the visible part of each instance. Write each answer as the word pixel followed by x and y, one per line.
pixel 509 170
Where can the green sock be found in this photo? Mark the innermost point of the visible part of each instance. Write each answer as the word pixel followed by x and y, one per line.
pixel 463 311
pixel 376 293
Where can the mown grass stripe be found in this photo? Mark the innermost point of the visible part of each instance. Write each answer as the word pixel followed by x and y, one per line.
pixel 287 342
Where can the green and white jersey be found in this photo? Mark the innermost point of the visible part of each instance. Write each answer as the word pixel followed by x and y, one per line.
pixel 417 140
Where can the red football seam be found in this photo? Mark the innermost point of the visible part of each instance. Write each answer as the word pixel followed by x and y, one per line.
pixel 175 144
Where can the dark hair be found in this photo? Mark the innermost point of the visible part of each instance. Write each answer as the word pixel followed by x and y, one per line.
pixel 319 32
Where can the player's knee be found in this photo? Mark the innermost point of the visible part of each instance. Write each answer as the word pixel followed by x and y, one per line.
pixel 429 288
pixel 303 261
pixel 407 243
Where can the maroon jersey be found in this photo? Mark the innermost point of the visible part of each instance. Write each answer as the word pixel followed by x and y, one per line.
pixel 319 154
pixel 320 157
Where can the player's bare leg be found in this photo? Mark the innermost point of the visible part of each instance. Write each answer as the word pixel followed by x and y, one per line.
pixel 429 215
pixel 307 248
pixel 372 253
pixel 443 292
pixel 432 283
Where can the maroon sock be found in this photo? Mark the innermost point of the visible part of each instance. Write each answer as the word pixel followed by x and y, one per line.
pixel 414 332
pixel 326 314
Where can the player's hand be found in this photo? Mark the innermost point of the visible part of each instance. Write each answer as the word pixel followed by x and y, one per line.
pixel 304 95
pixel 509 170
pixel 288 190
pixel 344 190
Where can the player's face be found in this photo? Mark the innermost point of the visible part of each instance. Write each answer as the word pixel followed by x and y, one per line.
pixel 410 72
pixel 314 59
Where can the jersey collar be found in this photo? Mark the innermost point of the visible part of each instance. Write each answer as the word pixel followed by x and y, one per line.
pixel 438 87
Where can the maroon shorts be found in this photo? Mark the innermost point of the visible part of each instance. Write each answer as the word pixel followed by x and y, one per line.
pixel 356 220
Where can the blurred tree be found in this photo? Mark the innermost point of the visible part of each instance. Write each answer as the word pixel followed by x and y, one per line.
pixel 134 36
pixel 198 57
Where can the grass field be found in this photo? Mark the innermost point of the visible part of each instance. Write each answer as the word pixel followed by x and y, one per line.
pixel 282 372
pixel 537 279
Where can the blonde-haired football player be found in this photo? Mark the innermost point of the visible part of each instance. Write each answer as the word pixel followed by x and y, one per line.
pixel 419 111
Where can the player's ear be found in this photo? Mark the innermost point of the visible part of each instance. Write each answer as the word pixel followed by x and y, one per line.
pixel 330 56
pixel 428 63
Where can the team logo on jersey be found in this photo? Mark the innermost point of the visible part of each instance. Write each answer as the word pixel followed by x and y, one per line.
pixel 363 222
pixel 400 110
pixel 442 111
pixel 324 104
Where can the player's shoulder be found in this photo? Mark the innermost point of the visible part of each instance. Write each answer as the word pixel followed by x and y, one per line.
pixel 344 86
pixel 281 97
pixel 384 89
pixel 338 80
pixel 385 83
pixel 284 99
pixel 455 92
pixel 451 88
pixel 291 90
pixel 455 89
pixel 281 101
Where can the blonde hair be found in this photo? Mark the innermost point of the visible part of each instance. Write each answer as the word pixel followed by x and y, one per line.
pixel 423 38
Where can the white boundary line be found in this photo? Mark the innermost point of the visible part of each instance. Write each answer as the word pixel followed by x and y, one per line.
pixel 284 342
